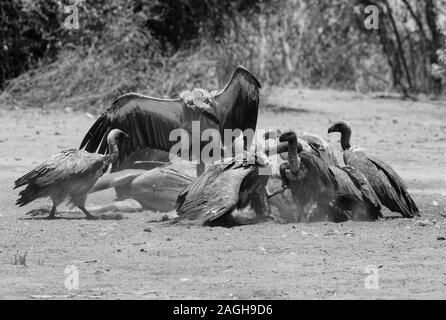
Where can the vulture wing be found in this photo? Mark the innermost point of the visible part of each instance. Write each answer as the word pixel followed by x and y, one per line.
pixel 147 120
pixel 344 183
pixel 61 166
pixel 238 101
pixel 216 199
pixel 401 201
pixel 369 196
pixel 321 149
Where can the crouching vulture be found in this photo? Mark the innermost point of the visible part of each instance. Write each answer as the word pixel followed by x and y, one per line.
pixel 227 185
pixel 69 174
pixel 387 184
pixel 150 121
pixel 327 192
pixel 281 197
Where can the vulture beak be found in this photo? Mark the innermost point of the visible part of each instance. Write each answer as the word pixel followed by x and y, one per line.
pixel 288 136
pixel 331 129
pixel 126 136
pixel 282 147
pixel 278 149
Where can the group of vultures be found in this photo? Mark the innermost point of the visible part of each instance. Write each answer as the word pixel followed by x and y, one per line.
pixel 305 183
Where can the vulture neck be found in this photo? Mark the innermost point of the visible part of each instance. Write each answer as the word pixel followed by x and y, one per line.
pixel 345 138
pixel 114 152
pixel 292 155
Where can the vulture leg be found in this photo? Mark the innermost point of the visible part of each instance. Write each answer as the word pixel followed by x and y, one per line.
pixel 52 212
pixel 88 214
pixel 79 201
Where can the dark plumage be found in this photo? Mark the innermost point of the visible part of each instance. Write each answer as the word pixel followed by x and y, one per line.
pixel 319 148
pixel 289 209
pixel 150 120
pixel 327 191
pixel 229 184
pixel 68 174
pixel 387 184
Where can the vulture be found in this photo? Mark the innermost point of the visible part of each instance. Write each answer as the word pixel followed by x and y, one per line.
pixel 387 184
pixel 150 121
pixel 326 191
pixel 229 184
pixel 69 174
pixel 280 196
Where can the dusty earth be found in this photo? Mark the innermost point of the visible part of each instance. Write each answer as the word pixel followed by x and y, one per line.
pixel 137 257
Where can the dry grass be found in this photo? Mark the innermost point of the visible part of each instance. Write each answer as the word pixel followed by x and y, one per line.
pixel 92 80
pixel 20 258
pixel 128 58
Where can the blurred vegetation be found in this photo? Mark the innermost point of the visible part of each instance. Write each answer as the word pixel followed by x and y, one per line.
pixel 161 47
pixel 439 68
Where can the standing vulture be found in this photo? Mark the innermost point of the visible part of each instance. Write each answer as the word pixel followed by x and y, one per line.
pixel 387 184
pixel 228 184
pixel 327 191
pixel 68 174
pixel 150 120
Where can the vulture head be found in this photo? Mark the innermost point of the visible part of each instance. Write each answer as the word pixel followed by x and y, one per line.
pixel 294 148
pixel 340 126
pixel 345 129
pixel 117 136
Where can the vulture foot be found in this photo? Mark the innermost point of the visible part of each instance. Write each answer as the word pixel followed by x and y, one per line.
pixel 88 214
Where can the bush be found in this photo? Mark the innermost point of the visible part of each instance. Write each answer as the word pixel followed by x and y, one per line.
pixel 161 47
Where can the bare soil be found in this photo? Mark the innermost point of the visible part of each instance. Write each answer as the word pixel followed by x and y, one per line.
pixel 137 257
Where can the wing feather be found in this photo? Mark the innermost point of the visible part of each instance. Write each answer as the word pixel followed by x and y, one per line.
pixel 238 101
pixel 63 165
pixel 218 198
pixel 147 120
pixel 386 183
pixel 402 200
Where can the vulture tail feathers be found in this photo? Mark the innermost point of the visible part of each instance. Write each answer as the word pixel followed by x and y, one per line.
pixel 31 193
pixel 404 202
pixel 30 176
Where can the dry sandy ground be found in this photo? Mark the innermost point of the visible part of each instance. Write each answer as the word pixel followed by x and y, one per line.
pixel 118 259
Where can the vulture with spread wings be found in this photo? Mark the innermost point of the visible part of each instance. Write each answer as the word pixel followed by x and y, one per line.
pixel 149 121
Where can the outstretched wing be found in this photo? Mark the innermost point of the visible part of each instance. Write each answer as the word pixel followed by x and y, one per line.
pixel 238 101
pixel 210 202
pixel 147 120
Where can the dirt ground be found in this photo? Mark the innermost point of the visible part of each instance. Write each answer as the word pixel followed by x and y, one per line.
pixel 135 257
